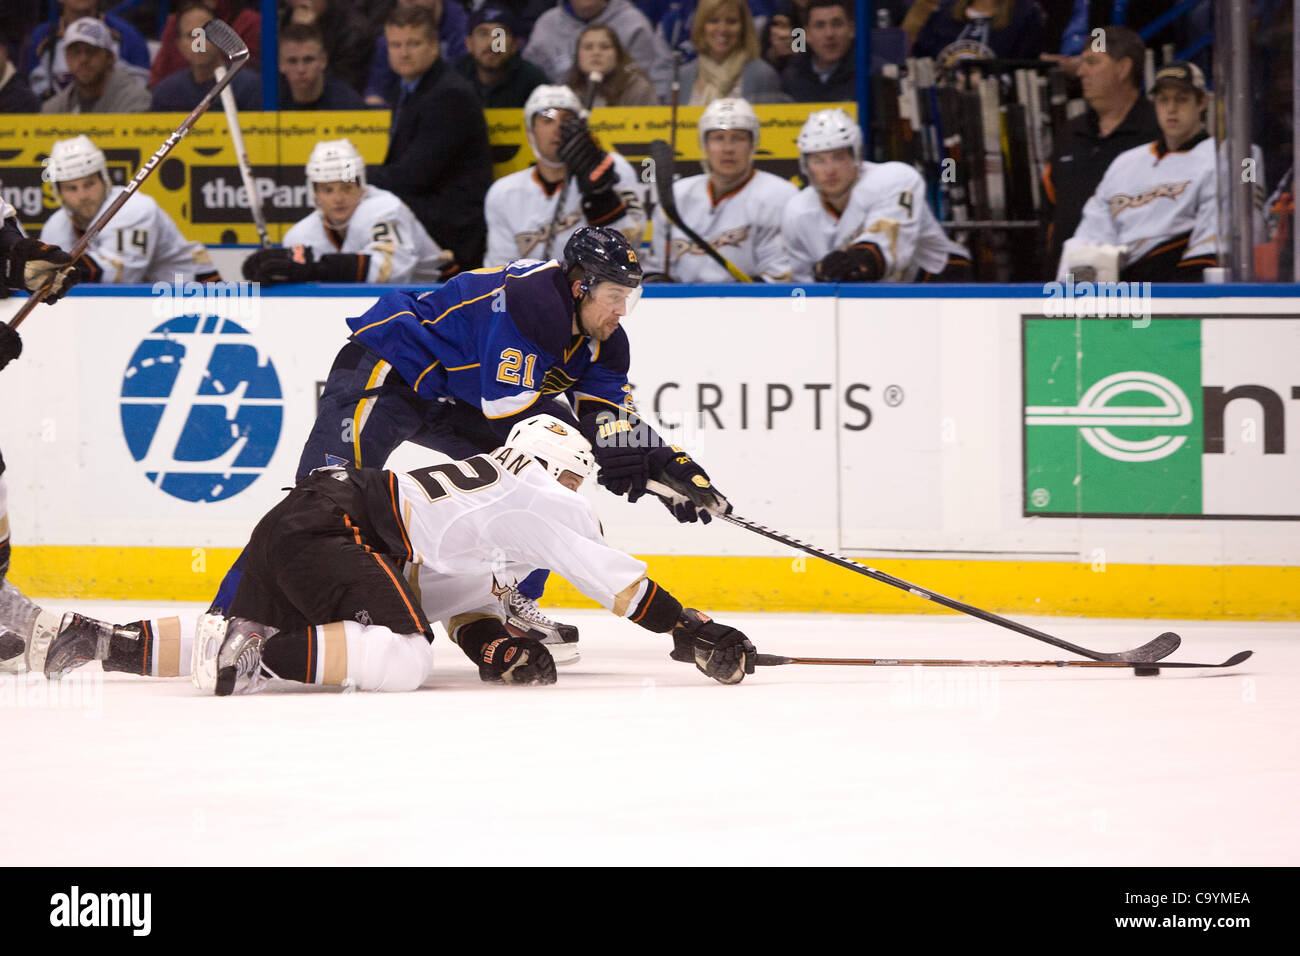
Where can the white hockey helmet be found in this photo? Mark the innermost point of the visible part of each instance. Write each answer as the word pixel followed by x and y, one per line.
pixel 74 158
pixel 336 161
pixel 545 99
pixel 826 130
pixel 556 446
pixel 730 112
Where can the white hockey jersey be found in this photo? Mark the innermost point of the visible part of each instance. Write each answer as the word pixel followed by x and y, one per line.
pixel 519 212
pixel 382 227
pixel 477 527
pixel 140 244
pixel 744 225
pixel 6 210
pixel 1149 199
pixel 887 207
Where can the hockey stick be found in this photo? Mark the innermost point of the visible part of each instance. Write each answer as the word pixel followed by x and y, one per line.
pixel 594 79
pixel 665 161
pixel 1154 650
pixel 241 157
pixel 228 42
pixel 1144 668
pixel 672 141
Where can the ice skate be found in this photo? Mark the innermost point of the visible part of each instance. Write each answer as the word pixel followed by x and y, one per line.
pixel 80 640
pixel 239 661
pixel 525 619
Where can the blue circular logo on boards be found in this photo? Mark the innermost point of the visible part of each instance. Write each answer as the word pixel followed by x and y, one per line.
pixel 201 408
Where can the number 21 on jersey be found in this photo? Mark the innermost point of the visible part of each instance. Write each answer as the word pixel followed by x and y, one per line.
pixel 508 370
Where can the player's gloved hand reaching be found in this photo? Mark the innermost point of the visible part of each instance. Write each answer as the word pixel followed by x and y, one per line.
pixel 680 472
pixel 11 345
pixel 718 651
pixel 516 660
pixel 594 170
pixel 33 263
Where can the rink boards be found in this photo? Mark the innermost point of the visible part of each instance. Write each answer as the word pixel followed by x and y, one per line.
pixel 974 439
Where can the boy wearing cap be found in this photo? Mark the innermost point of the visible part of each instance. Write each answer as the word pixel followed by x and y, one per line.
pixel 500 76
pixel 1154 216
pixel 100 84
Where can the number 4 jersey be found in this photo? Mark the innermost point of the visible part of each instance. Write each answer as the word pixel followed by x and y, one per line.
pixel 140 244
pixel 382 228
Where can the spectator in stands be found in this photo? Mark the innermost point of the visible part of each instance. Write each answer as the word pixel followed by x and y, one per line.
pixel 733 206
pixel 348 40
pixel 247 23
pixel 15 95
pixel 438 160
pixel 453 25
pixel 100 83
pixel 183 90
pixel 825 73
pixel 555 38
pixel 45 62
pixel 523 215
pixel 776 39
pixel 729 63
pixel 493 65
pixel 358 233
pixel 1119 118
pixel 977 29
pixel 623 83
pixel 140 244
pixel 304 82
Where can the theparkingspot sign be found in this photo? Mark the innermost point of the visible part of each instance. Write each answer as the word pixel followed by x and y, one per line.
pixel 1188 416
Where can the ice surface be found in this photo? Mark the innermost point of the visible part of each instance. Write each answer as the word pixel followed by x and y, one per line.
pixel 635 759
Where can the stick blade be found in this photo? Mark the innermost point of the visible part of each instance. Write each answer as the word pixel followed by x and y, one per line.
pixel 221 35
pixel 1236 658
pixel 1148 653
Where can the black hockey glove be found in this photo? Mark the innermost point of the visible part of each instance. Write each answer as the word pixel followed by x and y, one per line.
pixel 281 265
pixel 33 263
pixel 593 167
pixel 501 657
pixel 11 344
pixel 718 651
pixel 680 472
pixel 621 443
pixel 516 660
pixel 860 263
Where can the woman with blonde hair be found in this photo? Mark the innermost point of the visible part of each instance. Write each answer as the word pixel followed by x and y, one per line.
pixel 623 83
pixel 728 63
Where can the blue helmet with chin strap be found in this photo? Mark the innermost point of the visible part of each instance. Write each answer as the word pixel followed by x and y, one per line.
pixel 603 255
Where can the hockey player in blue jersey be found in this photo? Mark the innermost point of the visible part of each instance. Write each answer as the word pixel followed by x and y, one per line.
pixel 454 368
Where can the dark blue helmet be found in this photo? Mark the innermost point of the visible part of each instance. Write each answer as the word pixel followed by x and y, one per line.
pixel 604 255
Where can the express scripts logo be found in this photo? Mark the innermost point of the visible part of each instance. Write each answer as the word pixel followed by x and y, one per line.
pixel 201 407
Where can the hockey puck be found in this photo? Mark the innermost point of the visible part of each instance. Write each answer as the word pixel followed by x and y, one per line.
pixel 1146 671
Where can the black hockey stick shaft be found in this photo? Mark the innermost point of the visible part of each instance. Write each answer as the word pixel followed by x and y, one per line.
pixel 1162 646
pixel 776 660
pixel 594 79
pixel 228 41
pixel 665 161
pixel 672 141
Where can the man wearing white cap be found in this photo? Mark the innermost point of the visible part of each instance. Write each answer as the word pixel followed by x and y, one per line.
pixel 100 84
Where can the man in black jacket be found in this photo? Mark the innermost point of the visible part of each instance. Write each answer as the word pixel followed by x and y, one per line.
pixel 438 160
pixel 824 74
pixel 501 77
pixel 1119 117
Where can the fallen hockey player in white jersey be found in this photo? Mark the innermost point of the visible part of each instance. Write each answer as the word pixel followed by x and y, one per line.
pixel 731 205
pixel 521 207
pixel 358 233
pixel 1154 215
pixel 323 598
pixel 861 221
pixel 141 244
